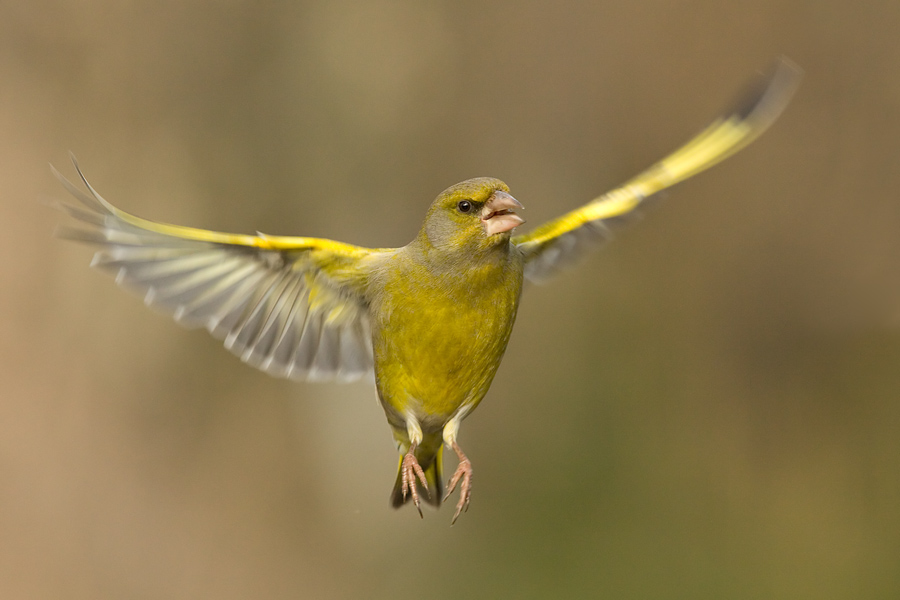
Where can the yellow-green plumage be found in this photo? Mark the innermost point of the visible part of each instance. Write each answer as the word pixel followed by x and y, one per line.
pixel 442 310
pixel 430 320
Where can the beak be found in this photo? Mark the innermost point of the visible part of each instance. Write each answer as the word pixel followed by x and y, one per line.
pixel 498 213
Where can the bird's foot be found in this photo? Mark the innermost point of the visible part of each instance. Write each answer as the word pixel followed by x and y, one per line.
pixel 463 474
pixel 410 471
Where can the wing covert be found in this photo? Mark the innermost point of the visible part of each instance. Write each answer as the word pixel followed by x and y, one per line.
pixel 291 306
pixel 562 240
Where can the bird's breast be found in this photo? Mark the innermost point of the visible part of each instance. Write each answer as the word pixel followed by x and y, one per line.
pixel 438 340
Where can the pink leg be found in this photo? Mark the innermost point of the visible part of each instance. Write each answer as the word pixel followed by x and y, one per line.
pixel 410 470
pixel 464 473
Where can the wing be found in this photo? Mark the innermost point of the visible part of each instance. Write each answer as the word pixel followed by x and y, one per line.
pixel 291 306
pixel 559 242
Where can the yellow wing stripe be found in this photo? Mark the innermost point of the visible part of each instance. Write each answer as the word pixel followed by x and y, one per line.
pixel 260 241
pixel 723 138
pixel 301 314
pixel 713 145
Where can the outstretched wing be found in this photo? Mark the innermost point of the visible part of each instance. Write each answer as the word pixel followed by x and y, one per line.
pixel 558 242
pixel 291 306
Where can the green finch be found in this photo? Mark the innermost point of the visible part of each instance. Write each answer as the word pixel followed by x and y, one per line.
pixel 430 320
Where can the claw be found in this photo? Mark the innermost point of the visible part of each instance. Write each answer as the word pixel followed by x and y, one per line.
pixel 463 474
pixel 410 471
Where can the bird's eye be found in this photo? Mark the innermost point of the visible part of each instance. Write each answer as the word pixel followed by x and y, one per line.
pixel 464 206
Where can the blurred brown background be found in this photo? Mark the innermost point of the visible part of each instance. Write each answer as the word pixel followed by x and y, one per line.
pixel 708 408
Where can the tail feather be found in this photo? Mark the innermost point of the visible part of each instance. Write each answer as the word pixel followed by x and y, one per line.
pixel 432 463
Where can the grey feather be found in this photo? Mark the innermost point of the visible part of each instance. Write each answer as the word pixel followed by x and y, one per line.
pixel 256 301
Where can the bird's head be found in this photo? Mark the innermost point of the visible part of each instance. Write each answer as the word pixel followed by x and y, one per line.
pixel 477 214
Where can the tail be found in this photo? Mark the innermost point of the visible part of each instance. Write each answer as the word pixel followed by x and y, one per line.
pixel 431 462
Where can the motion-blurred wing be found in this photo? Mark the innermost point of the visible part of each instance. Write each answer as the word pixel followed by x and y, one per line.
pixel 291 306
pixel 559 242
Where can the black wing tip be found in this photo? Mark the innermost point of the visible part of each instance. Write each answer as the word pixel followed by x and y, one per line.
pixel 769 95
pixel 72 158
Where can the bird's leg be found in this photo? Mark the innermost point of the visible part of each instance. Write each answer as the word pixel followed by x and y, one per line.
pixel 410 469
pixel 463 473
pixel 463 470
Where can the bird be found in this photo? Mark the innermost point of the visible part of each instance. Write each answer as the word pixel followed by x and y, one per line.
pixel 430 320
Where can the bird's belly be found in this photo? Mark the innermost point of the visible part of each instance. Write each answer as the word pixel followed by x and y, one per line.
pixel 441 355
